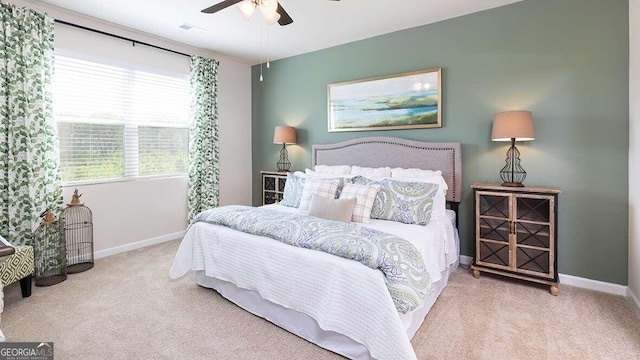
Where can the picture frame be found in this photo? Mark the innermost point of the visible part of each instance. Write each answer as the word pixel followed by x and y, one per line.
pixel 411 100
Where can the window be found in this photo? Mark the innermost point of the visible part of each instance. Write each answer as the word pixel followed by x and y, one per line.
pixel 119 122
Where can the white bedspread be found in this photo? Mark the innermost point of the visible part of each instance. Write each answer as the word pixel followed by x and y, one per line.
pixel 341 295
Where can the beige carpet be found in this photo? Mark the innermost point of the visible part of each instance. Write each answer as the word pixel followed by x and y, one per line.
pixel 127 308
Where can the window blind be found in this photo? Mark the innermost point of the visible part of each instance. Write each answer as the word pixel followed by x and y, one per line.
pixel 119 121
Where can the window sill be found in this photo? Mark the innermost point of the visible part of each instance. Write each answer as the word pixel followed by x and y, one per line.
pixel 119 180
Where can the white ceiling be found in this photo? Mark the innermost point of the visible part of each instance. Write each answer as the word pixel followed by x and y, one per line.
pixel 318 24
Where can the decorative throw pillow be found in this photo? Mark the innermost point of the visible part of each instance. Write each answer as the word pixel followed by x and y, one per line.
pixel 323 187
pixel 292 191
pixel 333 169
pixel 344 178
pixel 371 172
pixel 365 195
pixel 331 209
pixel 402 201
pixel 440 200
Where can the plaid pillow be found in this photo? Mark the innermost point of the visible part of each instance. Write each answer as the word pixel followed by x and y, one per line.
pixel 365 195
pixel 322 187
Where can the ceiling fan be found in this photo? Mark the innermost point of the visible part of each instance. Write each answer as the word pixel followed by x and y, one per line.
pixel 271 10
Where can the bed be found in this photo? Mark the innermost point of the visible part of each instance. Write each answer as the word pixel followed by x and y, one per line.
pixel 338 304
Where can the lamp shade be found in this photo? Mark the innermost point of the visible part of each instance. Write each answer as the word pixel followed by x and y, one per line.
pixel 284 135
pixel 513 125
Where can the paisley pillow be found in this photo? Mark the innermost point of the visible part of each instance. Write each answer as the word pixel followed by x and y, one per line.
pixel 402 201
pixel 292 191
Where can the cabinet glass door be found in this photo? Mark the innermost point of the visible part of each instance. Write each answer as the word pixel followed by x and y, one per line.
pixel 269 183
pixel 533 208
pixel 493 229
pixel 533 233
pixel 494 205
pixel 269 187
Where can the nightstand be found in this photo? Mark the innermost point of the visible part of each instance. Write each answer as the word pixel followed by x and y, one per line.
pixel 516 232
pixel 273 186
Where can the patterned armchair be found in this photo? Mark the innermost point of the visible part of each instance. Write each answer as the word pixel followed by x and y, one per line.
pixel 18 266
pixel 16 263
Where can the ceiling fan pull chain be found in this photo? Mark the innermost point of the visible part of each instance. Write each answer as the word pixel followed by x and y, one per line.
pixel 261 48
pixel 268 55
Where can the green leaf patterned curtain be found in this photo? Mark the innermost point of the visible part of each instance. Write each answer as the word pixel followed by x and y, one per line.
pixel 204 169
pixel 29 161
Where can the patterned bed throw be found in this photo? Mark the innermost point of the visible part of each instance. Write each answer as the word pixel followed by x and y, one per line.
pixel 400 262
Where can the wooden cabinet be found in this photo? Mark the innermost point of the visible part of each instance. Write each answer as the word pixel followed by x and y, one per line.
pixel 516 232
pixel 273 186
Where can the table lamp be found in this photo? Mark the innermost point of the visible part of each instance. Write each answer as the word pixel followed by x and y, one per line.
pixel 284 135
pixel 513 126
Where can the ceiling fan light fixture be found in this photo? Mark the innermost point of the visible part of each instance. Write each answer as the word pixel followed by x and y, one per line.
pixel 269 7
pixel 269 18
pixel 247 8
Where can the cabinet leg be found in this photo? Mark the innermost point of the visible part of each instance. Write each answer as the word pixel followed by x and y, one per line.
pixel 476 273
pixel 554 290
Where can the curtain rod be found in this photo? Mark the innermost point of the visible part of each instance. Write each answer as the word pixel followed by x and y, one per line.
pixel 120 37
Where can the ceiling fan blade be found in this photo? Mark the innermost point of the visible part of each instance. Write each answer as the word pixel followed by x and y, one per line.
pixel 285 19
pixel 219 6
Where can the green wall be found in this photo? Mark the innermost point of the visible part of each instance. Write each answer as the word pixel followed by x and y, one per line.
pixel 565 60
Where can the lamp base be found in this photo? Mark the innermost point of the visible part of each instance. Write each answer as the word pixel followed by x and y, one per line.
pixel 284 164
pixel 512 174
pixel 512 184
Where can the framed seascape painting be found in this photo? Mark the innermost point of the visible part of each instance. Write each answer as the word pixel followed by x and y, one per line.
pixel 403 101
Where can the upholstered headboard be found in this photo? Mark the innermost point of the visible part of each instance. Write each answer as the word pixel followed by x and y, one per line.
pixel 397 152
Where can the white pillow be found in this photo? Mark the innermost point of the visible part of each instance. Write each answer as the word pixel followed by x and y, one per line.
pixel 323 187
pixel 335 169
pixel 371 172
pixel 331 209
pixel 365 195
pixel 414 173
pixel 318 175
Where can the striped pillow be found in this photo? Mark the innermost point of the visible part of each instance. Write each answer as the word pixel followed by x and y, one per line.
pixel 322 187
pixel 365 195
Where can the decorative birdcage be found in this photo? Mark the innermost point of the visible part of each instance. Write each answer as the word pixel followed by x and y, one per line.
pixel 76 221
pixel 49 252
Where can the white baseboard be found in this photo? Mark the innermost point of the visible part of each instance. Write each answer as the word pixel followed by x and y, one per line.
pixel 633 297
pixel 593 284
pixel 138 245
pixel 581 282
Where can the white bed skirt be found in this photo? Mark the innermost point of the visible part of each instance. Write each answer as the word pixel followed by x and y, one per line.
pixel 305 326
